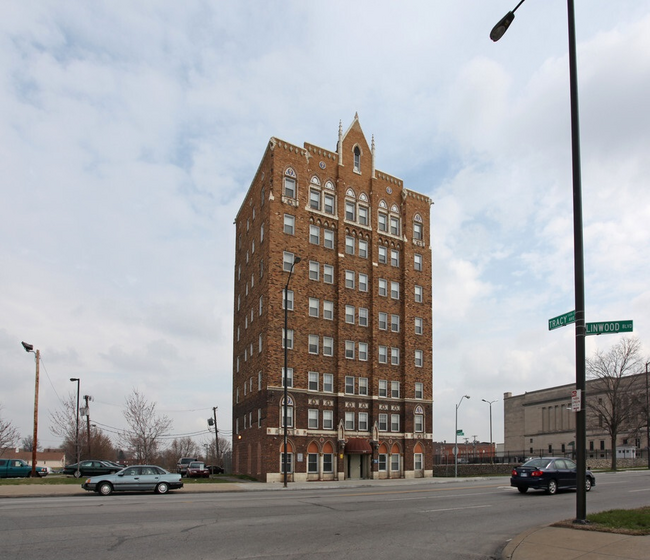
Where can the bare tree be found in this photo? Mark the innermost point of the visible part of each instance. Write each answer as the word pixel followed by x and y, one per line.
pixel 8 434
pixel 615 401
pixel 27 444
pixel 146 429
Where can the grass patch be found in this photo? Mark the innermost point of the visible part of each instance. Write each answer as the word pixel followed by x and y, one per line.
pixel 48 480
pixel 624 521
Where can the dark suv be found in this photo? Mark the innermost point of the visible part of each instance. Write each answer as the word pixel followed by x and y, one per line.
pixel 183 463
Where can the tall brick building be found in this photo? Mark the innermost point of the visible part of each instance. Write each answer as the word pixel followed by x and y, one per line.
pixel 359 316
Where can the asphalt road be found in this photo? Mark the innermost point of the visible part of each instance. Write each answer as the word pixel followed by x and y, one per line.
pixel 452 521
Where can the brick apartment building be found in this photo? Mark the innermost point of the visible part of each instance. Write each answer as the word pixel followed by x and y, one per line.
pixel 359 316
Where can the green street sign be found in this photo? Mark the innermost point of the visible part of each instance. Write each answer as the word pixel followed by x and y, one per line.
pixel 562 320
pixel 460 433
pixel 609 327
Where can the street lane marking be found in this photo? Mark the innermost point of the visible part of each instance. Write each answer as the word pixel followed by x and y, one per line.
pixel 639 490
pixel 454 509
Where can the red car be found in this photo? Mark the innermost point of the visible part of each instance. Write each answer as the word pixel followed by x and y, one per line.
pixel 196 469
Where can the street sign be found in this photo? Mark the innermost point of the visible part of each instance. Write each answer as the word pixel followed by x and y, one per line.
pixel 576 400
pixel 460 433
pixel 562 320
pixel 609 327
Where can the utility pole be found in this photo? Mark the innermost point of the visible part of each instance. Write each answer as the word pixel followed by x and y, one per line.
pixel 87 414
pixel 216 435
pixel 37 353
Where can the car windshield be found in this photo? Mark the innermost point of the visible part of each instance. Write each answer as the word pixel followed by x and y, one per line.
pixel 196 465
pixel 537 463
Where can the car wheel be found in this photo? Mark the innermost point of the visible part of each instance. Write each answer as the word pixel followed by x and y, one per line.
pixel 522 489
pixel 588 484
pixel 552 487
pixel 105 489
pixel 162 488
pixel 77 474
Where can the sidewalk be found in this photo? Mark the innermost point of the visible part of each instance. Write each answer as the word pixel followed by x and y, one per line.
pixel 556 543
pixel 539 543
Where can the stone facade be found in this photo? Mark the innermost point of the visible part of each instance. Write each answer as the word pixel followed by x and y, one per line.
pixel 359 318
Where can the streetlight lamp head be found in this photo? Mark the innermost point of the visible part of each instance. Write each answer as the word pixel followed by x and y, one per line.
pixel 467 396
pixel 74 379
pixel 296 260
pixel 28 347
pixel 500 28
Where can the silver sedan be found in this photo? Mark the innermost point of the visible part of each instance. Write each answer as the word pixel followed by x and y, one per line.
pixel 138 478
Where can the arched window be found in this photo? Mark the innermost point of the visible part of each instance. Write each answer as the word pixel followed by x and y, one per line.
pixel 418 419
pixel 290 189
pixel 289 410
pixel 357 159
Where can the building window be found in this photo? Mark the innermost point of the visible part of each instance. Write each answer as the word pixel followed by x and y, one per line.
pixel 382 222
pixel 328 420
pixel 313 381
pixel 314 235
pixel 314 199
pixel 349 349
pixel 313 344
pixel 289 415
pixel 328 310
pixel 382 462
pixel 289 187
pixel 289 224
pixel 418 461
pixel 363 317
pixel 394 462
pixel 349 245
pixel 287 261
pixel 394 389
pixel 328 346
pixel 363 385
pixel 328 383
pixel 312 462
pixel 363 248
pixel 349 314
pixel 383 321
pixel 394 225
pixel 288 377
pixel 383 388
pixel 261 233
pixel 394 323
pixel 417 231
pixel 394 422
pixel 383 255
pixel 383 422
pixel 394 290
pixel 259 417
pixel 328 203
pixel 419 358
pixel 363 421
pixel 394 257
pixel 383 287
pixel 417 261
pixel 419 423
pixel 419 390
pixel 349 421
pixel 312 419
pixel 289 463
pixel 350 211
pixel 314 305
pixel 383 357
pixel 328 274
pixel 349 385
pixel 314 270
pixel 363 351
pixel 418 325
pixel 394 356
pixel 357 159
pixel 363 215
pixel 349 279
pixel 328 462
pixel 328 239
pixel 418 294
pixel 363 282
pixel 288 296
pixel 288 338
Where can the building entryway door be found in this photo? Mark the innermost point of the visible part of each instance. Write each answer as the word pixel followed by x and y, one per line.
pixel 357 466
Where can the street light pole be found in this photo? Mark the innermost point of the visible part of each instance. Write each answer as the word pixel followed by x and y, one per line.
pixel 647 415
pixel 456 437
pixel 37 353
pixel 578 257
pixel 285 409
pixel 491 444
pixel 76 441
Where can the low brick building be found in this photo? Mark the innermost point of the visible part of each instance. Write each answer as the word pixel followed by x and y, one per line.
pixel 359 318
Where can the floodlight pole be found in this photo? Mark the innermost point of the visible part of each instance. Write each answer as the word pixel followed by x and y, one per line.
pixel 578 258
pixel 456 437
pixel 37 353
pixel 76 441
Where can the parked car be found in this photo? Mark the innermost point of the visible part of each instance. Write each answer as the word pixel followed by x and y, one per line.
pixel 138 478
pixel 183 462
pixel 10 468
pixel 215 469
pixel 550 474
pixel 196 469
pixel 92 467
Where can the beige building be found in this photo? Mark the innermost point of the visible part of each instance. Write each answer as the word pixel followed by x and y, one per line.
pixel 542 422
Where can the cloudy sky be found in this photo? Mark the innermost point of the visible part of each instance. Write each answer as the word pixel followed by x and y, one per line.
pixel 130 132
